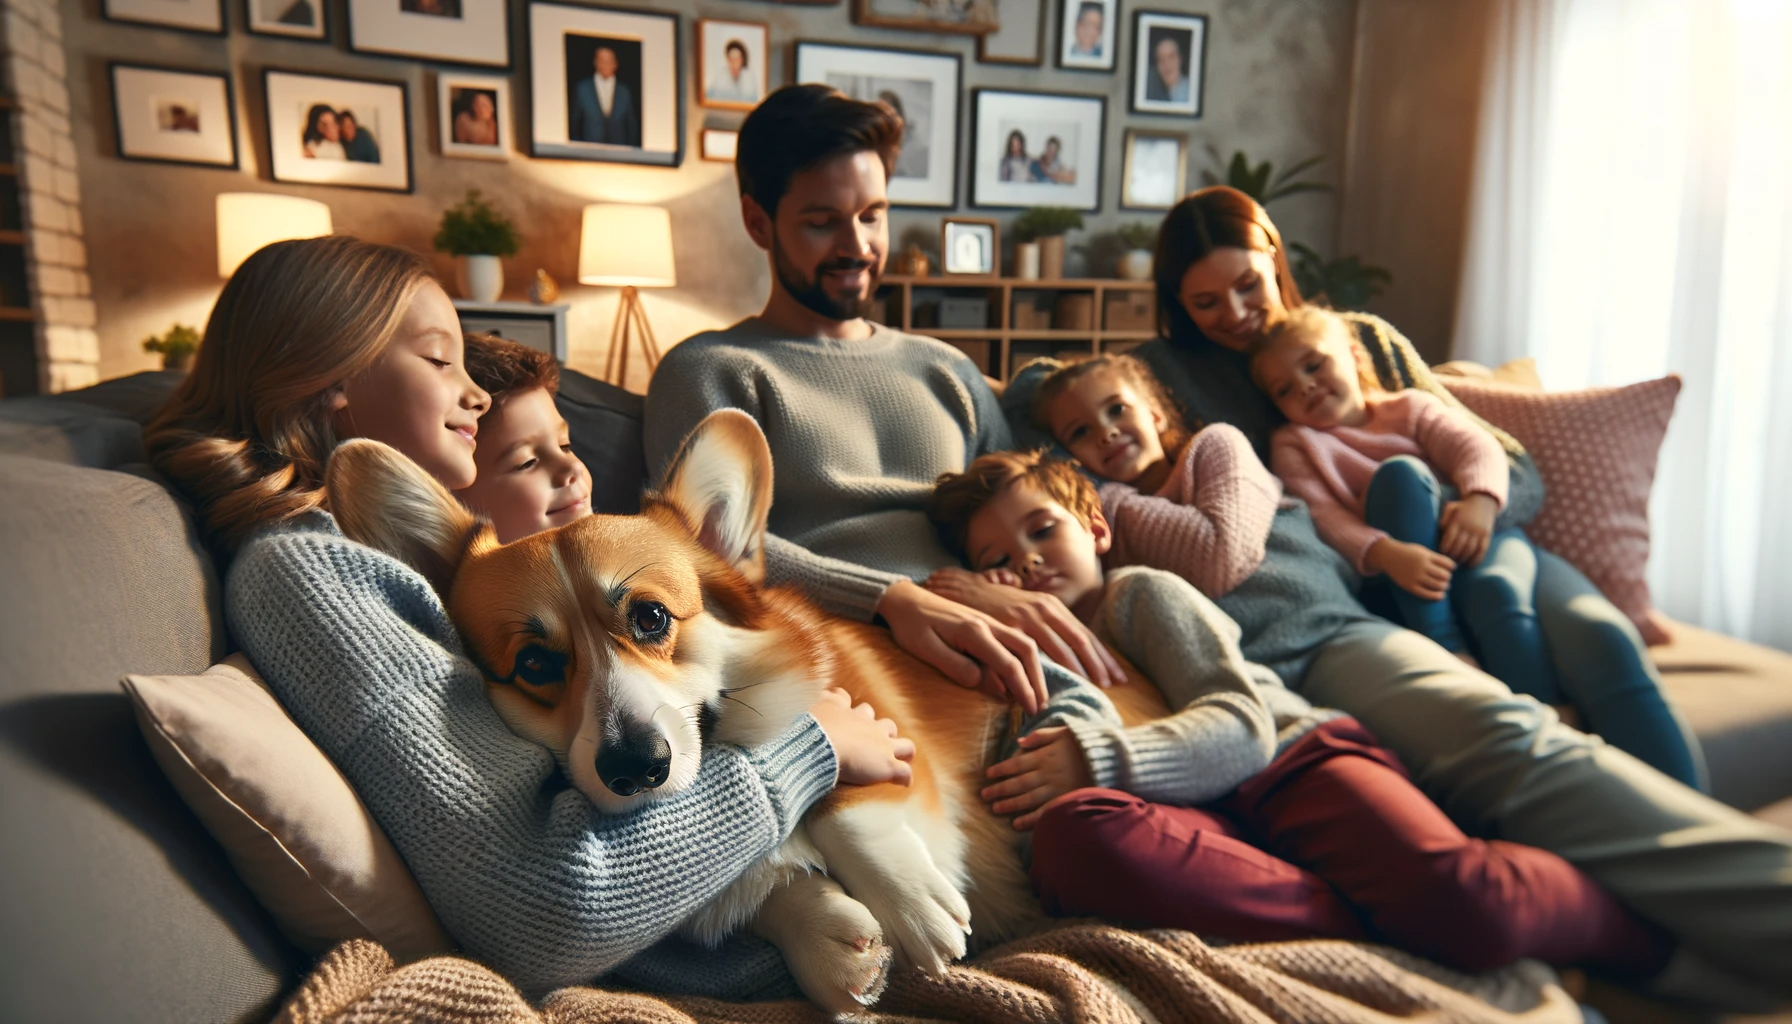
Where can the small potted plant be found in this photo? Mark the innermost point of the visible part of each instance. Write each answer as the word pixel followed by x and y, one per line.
pixel 177 347
pixel 1044 225
pixel 482 237
pixel 1135 262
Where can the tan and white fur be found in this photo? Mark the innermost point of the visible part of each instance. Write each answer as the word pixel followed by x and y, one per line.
pixel 625 644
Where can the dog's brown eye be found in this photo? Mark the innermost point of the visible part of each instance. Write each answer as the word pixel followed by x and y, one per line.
pixel 650 619
pixel 538 666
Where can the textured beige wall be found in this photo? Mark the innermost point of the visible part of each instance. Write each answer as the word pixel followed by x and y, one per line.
pixel 1414 106
pixel 1277 86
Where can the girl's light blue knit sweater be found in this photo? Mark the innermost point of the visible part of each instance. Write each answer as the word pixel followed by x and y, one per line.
pixel 523 872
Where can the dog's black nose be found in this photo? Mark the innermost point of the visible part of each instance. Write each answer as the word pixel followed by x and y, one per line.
pixel 637 759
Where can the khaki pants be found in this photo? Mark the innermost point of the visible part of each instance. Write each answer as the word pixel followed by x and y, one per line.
pixel 1504 766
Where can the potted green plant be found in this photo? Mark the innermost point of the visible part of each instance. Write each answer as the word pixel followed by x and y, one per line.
pixel 177 347
pixel 1135 262
pixel 1044 226
pixel 481 237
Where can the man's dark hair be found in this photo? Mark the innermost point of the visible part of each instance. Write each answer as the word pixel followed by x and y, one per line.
pixel 1091 6
pixel 800 126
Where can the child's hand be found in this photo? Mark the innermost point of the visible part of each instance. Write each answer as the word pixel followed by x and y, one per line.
pixel 865 746
pixel 1002 577
pixel 1049 765
pixel 1465 527
pixel 1414 568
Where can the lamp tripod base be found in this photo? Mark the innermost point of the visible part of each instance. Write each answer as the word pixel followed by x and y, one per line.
pixel 631 323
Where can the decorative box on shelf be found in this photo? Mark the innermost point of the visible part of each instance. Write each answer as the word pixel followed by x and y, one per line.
pixel 539 327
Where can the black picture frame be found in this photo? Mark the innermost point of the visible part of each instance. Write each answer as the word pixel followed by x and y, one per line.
pixel 957 134
pixel 1110 16
pixel 118 142
pixel 322 36
pixel 610 154
pixel 401 52
pixel 108 13
pixel 1197 70
pixel 979 201
pixel 404 105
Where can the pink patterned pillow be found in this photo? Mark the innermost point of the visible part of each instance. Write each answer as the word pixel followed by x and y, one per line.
pixel 1596 450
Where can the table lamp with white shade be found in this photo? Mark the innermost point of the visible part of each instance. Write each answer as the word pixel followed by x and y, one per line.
pixel 247 221
pixel 628 247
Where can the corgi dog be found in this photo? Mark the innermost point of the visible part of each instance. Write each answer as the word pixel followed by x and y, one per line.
pixel 626 644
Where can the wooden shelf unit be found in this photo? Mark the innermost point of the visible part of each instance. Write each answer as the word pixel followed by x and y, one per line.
pixel 998 347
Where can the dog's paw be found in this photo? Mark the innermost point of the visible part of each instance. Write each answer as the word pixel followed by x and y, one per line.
pixel 840 959
pixel 926 919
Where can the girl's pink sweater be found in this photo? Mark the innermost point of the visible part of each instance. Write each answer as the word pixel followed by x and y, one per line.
pixel 1212 531
pixel 1331 469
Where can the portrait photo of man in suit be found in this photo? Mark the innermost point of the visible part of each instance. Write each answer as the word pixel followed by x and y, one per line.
pixel 604 86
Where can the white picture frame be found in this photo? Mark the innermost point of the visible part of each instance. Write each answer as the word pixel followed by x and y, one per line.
pixel 203 16
pixel 970 246
pixel 1154 170
pixel 1039 174
pixel 717 86
pixel 288 19
pixel 475 33
pixel 1152 32
pixel 645 45
pixel 1102 16
pixel 924 85
pixel 719 145
pixel 460 102
pixel 171 115
pixel 381 109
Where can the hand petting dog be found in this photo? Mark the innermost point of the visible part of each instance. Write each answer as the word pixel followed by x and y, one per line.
pixel 866 747
pixel 969 647
pixel 1050 764
pixel 1059 634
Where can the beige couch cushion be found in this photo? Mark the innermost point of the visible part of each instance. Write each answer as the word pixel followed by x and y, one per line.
pixel 289 821
pixel 1738 698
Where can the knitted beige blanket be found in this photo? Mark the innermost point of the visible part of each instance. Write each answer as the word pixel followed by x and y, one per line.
pixel 1080 973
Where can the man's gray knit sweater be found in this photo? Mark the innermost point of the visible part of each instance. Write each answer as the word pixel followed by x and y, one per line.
pixel 1230 716
pixel 523 872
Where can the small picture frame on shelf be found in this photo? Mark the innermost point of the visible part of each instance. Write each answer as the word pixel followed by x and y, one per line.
pixel 1021 38
pixel 922 87
pixel 1086 35
pixel 719 145
pixel 1036 149
pixel 1154 172
pixel 174 116
pixel 733 63
pixel 970 245
pixel 1169 57
pixel 204 16
pixel 332 130
pixel 290 19
pixel 472 32
pixel 473 113
pixel 581 55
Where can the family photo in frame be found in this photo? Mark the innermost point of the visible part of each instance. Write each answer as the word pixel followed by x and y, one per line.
pixel 332 130
pixel 1037 149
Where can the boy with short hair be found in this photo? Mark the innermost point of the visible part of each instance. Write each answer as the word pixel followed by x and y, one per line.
pixel 1359 851
pixel 528 479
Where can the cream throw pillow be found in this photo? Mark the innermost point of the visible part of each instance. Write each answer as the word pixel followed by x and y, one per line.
pixel 295 830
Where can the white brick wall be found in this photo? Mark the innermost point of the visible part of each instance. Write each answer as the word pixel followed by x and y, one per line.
pixel 68 349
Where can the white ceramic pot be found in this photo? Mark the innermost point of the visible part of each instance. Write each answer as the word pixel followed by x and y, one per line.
pixel 1026 261
pixel 1135 265
pixel 481 278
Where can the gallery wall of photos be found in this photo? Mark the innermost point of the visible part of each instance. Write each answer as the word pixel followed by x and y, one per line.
pixel 618 84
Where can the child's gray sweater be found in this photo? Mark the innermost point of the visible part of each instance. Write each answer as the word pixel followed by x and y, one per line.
pixel 519 866
pixel 1230 716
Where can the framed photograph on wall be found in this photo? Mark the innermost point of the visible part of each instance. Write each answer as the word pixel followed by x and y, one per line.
pixel 291 19
pixel 605 84
pixel 1086 34
pixel 970 17
pixel 719 144
pixel 205 16
pixel 474 32
pixel 1169 54
pixel 1154 173
pixel 473 112
pixel 1036 149
pixel 970 245
pixel 1021 37
pixel 733 63
pixel 922 87
pixel 330 130
pixel 173 116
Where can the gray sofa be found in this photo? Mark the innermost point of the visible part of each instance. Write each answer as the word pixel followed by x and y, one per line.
pixel 116 905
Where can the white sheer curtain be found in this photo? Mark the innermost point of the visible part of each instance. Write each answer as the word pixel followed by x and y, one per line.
pixel 1631 217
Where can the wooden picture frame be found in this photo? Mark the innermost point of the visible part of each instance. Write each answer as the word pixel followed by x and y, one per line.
pixel 980 16
pixel 1020 41
pixel 173 115
pixel 458 94
pixel 988 232
pixel 1146 181
pixel 567 122
pixel 291 96
pixel 715 38
pixel 718 145
pixel 260 18
pixel 205 17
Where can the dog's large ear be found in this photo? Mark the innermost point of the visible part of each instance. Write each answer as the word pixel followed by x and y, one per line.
pixel 721 483
pixel 384 500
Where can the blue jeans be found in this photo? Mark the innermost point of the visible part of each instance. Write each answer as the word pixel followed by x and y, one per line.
pixel 1581 652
